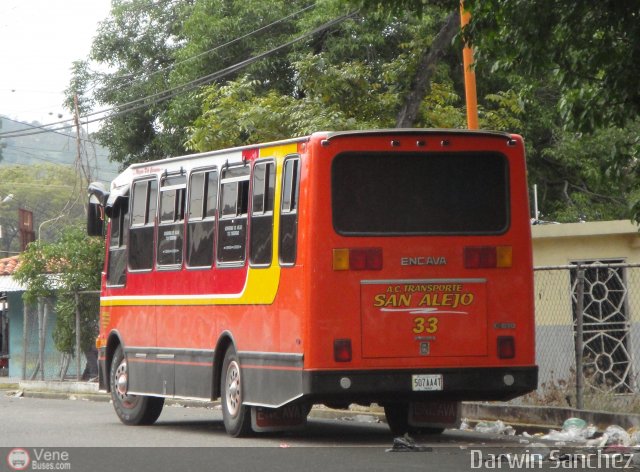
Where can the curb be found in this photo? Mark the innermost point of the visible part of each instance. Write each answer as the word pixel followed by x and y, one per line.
pixel 546 417
pixel 522 418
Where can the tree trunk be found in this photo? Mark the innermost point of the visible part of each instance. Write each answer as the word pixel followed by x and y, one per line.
pixel 42 320
pixel 426 67
pixel 64 365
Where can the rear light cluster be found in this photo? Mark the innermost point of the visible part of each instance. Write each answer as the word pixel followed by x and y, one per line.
pixel 506 347
pixel 342 350
pixel 488 257
pixel 369 258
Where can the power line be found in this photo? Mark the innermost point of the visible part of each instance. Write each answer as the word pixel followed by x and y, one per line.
pixel 18 149
pixel 160 97
pixel 136 75
pixel 14 147
pixel 36 185
pixel 177 90
pixel 42 127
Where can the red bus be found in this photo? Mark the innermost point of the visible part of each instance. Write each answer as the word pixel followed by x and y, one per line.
pixel 386 266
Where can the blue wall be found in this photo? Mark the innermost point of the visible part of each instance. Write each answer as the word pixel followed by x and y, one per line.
pixel 53 359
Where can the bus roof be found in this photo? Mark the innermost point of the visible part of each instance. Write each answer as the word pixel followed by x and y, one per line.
pixel 412 131
pixel 331 135
pixel 120 185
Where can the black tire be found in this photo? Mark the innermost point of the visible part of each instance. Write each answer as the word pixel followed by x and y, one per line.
pixel 397 415
pixel 133 410
pixel 236 415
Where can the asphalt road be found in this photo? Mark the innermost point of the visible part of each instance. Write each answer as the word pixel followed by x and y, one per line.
pixel 83 435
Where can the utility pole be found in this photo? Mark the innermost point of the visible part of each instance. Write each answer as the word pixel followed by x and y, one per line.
pixel 469 74
pixel 80 166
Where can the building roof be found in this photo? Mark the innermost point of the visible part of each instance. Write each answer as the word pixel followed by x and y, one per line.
pixel 8 265
pixel 589 229
pixel 9 284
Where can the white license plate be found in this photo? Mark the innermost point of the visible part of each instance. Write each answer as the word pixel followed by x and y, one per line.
pixel 426 383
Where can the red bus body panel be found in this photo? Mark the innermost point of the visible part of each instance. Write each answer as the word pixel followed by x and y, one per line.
pixel 423 313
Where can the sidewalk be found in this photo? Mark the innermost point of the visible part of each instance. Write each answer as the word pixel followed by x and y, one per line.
pixel 522 418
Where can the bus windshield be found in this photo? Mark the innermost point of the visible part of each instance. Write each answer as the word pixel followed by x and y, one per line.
pixel 420 193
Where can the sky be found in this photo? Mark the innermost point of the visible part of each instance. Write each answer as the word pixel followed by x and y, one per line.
pixel 39 41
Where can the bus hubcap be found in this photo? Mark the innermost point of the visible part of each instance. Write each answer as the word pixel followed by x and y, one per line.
pixel 121 379
pixel 122 384
pixel 233 388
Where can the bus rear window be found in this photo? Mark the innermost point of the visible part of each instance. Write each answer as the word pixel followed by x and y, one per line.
pixel 420 193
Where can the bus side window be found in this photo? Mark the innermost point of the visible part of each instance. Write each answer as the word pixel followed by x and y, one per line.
pixel 143 216
pixel 116 269
pixel 232 227
pixel 203 202
pixel 171 225
pixel 289 212
pixel 261 240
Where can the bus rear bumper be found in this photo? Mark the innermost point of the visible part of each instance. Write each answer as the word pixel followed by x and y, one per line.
pixel 496 383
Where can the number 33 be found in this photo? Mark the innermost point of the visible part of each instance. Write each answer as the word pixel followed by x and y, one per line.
pixel 428 325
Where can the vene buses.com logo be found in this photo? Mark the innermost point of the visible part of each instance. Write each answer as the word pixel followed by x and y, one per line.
pixel 18 459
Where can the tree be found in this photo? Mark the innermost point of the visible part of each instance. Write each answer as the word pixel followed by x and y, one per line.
pixel 136 43
pixel 590 49
pixel 574 67
pixel 158 46
pixel 159 53
pixel 426 67
pixel 58 271
pixel 591 176
pixel 359 74
pixel 387 63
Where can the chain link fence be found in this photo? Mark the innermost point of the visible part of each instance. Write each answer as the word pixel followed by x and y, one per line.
pixel 588 336
pixel 61 345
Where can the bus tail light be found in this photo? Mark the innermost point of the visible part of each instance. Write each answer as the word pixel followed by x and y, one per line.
pixel 506 347
pixel 342 350
pixel 369 258
pixel 488 257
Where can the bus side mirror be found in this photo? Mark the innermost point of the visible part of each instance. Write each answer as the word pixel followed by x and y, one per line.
pixel 95 219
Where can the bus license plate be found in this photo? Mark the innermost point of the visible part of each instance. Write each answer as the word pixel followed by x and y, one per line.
pixel 426 383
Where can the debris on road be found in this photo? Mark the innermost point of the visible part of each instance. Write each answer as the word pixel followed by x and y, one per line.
pixel 494 427
pixel 616 436
pixel 407 444
pixel 362 418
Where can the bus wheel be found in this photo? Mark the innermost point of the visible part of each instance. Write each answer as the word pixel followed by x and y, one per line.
pixel 236 416
pixel 397 415
pixel 131 409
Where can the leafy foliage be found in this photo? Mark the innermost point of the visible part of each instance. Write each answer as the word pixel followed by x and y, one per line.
pixel 591 50
pixel 136 43
pixel 59 270
pixel 596 174
pixel 354 77
pixel 562 74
